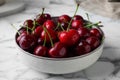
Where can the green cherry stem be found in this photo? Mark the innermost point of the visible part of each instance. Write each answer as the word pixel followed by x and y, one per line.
pixel 34 24
pixel 62 28
pixel 73 17
pixel 88 17
pixel 44 40
pixel 58 24
pixel 95 24
pixel 15 29
pixel 49 36
pixel 43 9
pixel 27 29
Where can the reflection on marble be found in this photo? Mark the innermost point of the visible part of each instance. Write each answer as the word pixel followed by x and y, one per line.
pixel 11 68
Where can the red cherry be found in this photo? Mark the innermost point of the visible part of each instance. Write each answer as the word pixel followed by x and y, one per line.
pixel 47 16
pixel 82 48
pixel 78 17
pixel 77 24
pixel 28 23
pixel 38 31
pixel 40 51
pixel 96 32
pixel 69 38
pixel 64 18
pixel 19 37
pixel 83 32
pixel 27 41
pixel 49 24
pixel 93 41
pixel 40 19
pixel 58 51
pixel 52 33
pixel 64 25
pixel 40 41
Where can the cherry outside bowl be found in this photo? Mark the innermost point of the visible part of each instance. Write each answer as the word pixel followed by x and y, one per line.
pixel 60 65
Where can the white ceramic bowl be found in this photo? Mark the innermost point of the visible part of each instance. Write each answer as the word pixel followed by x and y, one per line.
pixel 60 65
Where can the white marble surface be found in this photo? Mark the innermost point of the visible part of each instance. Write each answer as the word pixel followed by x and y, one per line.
pixel 106 68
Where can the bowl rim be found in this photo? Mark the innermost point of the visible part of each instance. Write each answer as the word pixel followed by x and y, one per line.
pixel 63 59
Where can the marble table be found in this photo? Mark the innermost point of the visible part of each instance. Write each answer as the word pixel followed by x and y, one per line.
pixel 11 68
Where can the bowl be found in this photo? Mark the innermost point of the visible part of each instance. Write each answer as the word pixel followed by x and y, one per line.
pixel 60 65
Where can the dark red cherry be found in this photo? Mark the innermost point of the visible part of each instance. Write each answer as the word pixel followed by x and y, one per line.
pixel 40 19
pixel 96 32
pixel 49 24
pixel 52 33
pixel 83 32
pixel 41 51
pixel 38 31
pixel 64 18
pixel 47 16
pixel 40 41
pixel 77 24
pixel 27 41
pixel 64 25
pixel 82 48
pixel 28 23
pixel 78 17
pixel 93 41
pixel 22 34
pixel 69 38
pixel 58 51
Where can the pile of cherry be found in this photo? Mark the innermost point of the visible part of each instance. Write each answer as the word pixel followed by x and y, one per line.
pixel 58 37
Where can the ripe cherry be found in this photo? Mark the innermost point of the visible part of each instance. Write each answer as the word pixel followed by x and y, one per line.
pixel 28 23
pixel 77 24
pixel 47 16
pixel 82 48
pixel 93 41
pixel 83 32
pixel 96 32
pixel 27 41
pixel 52 34
pixel 78 17
pixel 64 25
pixel 69 38
pixel 38 31
pixel 49 24
pixel 41 51
pixel 58 50
pixel 64 18
pixel 40 19
pixel 22 34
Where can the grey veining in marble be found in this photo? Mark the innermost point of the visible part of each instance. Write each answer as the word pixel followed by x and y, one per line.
pixel 11 68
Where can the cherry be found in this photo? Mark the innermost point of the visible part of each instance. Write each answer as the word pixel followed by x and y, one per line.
pixel 40 19
pixel 64 18
pixel 40 41
pixel 38 31
pixel 27 41
pixel 77 24
pixel 51 32
pixel 93 41
pixel 47 16
pixel 64 25
pixel 22 34
pixel 58 50
pixel 82 48
pixel 69 38
pixel 78 17
pixel 83 32
pixel 28 23
pixel 40 51
pixel 96 32
pixel 21 30
pixel 49 24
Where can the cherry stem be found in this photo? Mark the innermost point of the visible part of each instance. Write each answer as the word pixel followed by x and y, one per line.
pixel 15 29
pixel 62 28
pixel 95 24
pixel 44 40
pixel 49 36
pixel 34 23
pixel 58 24
pixel 73 17
pixel 27 28
pixel 24 27
pixel 43 9
pixel 88 17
